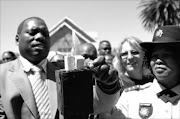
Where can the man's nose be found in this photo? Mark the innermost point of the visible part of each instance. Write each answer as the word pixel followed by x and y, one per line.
pixel 39 36
pixel 107 51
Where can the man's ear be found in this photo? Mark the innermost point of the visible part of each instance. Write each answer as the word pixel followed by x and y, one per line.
pixel 17 39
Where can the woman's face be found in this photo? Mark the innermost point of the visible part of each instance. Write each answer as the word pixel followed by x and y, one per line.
pixel 132 59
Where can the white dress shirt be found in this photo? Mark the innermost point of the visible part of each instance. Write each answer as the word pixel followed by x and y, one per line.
pixel 27 68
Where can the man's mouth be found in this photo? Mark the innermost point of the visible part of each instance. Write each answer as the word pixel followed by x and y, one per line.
pixel 38 46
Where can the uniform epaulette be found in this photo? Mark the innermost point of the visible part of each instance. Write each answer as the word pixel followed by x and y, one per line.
pixel 137 87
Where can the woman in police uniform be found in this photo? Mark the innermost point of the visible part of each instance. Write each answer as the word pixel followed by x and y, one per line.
pixel 130 63
pixel 159 99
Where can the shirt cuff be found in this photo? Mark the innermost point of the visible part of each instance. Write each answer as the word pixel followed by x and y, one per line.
pixel 109 89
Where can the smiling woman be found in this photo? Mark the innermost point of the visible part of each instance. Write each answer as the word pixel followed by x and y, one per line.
pixel 130 63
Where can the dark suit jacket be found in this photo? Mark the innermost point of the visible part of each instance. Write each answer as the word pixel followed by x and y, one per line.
pixel 16 93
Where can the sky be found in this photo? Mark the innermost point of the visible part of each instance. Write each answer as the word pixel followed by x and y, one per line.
pixel 111 20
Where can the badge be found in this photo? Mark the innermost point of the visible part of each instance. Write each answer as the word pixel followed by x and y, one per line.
pixel 145 110
pixel 159 33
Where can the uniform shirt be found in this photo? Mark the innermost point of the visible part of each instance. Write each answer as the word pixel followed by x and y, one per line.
pixel 142 102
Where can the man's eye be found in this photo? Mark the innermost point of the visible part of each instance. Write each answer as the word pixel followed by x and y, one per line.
pixel 107 48
pixel 33 32
pixel 44 32
pixel 85 56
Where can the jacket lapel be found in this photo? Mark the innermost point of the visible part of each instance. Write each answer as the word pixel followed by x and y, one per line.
pixel 52 89
pixel 22 83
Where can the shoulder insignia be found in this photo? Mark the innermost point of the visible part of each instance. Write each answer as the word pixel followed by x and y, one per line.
pixel 145 85
pixel 136 87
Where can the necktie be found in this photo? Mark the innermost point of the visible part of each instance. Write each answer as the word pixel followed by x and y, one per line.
pixel 41 94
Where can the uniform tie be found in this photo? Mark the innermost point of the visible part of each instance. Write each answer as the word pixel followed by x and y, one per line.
pixel 41 94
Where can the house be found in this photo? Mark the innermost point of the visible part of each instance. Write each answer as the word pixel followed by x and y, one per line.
pixel 64 33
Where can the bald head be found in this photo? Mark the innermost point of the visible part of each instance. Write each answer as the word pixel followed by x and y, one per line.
pixel 8 56
pixel 88 50
pixel 22 23
pixel 58 60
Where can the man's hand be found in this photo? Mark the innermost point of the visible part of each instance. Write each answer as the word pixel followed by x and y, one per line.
pixel 103 72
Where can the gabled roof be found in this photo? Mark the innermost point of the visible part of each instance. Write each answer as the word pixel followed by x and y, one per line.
pixel 71 25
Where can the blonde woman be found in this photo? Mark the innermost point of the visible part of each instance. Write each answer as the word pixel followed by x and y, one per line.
pixel 130 62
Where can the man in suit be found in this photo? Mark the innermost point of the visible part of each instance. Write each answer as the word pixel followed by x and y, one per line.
pixel 18 99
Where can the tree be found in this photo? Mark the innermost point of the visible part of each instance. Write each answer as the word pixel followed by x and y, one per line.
pixel 156 13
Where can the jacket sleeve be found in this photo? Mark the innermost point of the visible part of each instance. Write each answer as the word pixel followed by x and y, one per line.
pixel 2 112
pixel 104 102
pixel 119 111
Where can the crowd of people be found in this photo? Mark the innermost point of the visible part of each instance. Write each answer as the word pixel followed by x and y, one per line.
pixel 139 80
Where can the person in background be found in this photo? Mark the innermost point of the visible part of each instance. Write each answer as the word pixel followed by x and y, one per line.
pixel 88 50
pixel 28 88
pixel 58 60
pixel 104 47
pixel 8 56
pixel 109 58
pixel 159 99
pixel 1 61
pixel 130 61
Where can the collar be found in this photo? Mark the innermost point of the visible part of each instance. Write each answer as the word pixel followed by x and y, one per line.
pixel 158 88
pixel 28 65
pixel 176 89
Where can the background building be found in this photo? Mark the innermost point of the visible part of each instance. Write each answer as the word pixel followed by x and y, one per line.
pixel 65 32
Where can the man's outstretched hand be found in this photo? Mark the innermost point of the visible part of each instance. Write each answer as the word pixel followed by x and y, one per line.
pixel 103 72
